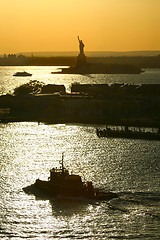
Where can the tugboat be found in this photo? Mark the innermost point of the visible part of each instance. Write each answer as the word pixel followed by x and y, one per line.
pixel 22 74
pixel 61 184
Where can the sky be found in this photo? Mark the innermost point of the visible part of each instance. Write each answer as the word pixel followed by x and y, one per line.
pixel 103 25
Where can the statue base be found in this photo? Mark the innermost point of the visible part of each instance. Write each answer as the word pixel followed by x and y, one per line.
pixel 81 59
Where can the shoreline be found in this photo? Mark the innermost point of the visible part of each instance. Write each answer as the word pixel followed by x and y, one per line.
pixel 138 61
pixel 108 107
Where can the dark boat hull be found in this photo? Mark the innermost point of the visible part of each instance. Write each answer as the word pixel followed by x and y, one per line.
pixel 22 74
pixel 50 190
pixel 129 135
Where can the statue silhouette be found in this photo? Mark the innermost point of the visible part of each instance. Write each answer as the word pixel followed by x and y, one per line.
pixel 81 46
pixel 81 59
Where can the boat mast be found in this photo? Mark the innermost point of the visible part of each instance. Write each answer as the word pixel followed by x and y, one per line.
pixel 62 162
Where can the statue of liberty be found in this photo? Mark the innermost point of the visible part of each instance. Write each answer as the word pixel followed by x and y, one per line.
pixel 81 46
pixel 81 60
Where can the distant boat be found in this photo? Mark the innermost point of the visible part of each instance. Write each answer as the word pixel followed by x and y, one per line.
pixel 22 74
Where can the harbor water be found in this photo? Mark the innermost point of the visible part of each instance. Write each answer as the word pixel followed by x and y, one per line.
pixel 128 167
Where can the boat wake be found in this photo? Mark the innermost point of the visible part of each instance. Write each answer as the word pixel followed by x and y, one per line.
pixel 137 203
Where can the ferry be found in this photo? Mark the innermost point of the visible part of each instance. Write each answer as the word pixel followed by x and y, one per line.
pixel 63 185
pixel 22 74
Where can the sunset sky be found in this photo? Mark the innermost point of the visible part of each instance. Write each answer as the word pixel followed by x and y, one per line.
pixel 103 25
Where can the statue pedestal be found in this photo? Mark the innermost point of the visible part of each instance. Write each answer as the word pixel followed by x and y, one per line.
pixel 81 59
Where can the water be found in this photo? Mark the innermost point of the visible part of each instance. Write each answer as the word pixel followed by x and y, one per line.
pixel 129 167
pixel 43 74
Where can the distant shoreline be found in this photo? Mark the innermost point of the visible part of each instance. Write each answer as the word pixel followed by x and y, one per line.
pixel 139 61
pixel 90 54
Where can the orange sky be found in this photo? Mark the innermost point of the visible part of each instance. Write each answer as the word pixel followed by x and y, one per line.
pixel 103 25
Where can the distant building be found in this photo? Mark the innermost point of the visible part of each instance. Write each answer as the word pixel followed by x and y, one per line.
pixel 12 56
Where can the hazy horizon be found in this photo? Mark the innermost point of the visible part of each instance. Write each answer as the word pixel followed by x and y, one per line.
pixel 87 53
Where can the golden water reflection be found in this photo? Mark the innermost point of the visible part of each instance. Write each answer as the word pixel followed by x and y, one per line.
pixel 30 150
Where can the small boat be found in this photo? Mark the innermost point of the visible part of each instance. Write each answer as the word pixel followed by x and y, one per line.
pixel 22 74
pixel 128 133
pixel 63 185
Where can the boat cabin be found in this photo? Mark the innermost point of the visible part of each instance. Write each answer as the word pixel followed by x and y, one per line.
pixel 69 182
pixel 62 175
pixel 58 173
